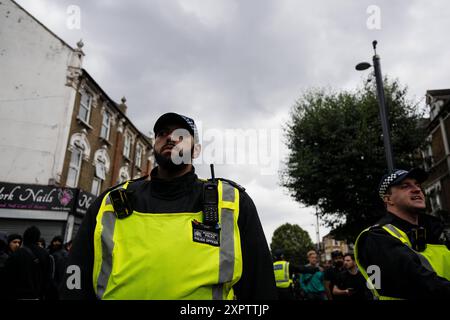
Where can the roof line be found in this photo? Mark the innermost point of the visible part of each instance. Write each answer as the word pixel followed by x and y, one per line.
pixel 113 103
pixel 35 19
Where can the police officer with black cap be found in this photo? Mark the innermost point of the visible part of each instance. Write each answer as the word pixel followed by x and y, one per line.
pixel 404 256
pixel 174 236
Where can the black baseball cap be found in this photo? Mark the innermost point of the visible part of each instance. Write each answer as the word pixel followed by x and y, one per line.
pixel 397 176
pixel 172 118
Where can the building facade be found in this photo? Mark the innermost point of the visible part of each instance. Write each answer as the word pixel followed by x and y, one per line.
pixel 63 140
pixel 436 154
pixel 104 147
pixel 329 244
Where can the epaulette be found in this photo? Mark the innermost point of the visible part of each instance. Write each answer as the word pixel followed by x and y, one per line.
pixel 122 183
pixel 234 184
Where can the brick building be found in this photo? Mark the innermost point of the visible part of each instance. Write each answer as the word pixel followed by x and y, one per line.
pixel 104 147
pixel 436 154
pixel 330 244
pixel 63 140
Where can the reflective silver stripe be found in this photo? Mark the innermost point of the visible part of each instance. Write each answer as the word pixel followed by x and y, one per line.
pixel 226 255
pixel 227 192
pixel 108 200
pixel 394 230
pixel 226 262
pixel 286 271
pixel 425 263
pixel 108 224
pixel 217 292
pixel 285 266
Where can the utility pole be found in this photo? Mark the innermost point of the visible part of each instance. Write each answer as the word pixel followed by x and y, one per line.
pixel 317 232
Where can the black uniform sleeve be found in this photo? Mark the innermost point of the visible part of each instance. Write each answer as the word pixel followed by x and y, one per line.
pixel 328 274
pixel 258 279
pixel 402 274
pixel 82 256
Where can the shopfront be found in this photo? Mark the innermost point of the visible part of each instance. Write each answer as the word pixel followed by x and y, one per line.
pixel 54 210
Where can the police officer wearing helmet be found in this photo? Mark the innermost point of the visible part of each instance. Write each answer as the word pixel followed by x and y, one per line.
pixel 405 253
pixel 174 236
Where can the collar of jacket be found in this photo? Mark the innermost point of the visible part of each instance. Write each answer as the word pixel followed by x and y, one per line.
pixel 173 188
pixel 433 225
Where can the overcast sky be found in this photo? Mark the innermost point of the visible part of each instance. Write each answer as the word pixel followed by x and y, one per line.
pixel 241 64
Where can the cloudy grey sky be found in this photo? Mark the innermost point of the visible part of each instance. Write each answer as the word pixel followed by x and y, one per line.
pixel 241 64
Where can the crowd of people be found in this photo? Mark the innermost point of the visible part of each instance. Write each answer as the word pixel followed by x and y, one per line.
pixel 28 269
pixel 338 279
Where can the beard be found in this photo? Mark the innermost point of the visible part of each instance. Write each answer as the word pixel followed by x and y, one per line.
pixel 167 163
pixel 412 209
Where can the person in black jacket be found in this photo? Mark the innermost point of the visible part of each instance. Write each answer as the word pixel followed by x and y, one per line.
pixel 3 257
pixel 331 274
pixel 350 284
pixel 402 273
pixel 175 188
pixel 27 270
pixel 60 255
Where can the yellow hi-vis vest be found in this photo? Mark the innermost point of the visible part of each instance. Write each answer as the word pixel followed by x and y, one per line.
pixel 435 257
pixel 153 255
pixel 281 270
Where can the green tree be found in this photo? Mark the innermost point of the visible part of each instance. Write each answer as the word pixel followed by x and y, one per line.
pixel 337 154
pixel 293 241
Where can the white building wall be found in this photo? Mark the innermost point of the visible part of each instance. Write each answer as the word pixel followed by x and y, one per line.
pixel 35 104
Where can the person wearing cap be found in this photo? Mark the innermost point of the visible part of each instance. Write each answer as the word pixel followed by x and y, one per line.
pixel 404 255
pixel 14 243
pixel 172 237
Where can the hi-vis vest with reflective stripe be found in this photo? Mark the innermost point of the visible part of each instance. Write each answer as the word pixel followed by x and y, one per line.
pixel 153 255
pixel 435 258
pixel 281 270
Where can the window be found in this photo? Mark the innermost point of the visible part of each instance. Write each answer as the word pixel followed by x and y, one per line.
pixel 123 174
pixel 127 146
pixel 85 107
pixel 427 154
pixel 74 168
pixel 434 201
pixel 96 186
pixel 101 163
pixel 433 195
pixel 104 131
pixel 138 160
pixel 100 170
pixel 435 108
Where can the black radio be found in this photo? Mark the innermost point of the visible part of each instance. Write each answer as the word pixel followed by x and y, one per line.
pixel 210 201
pixel 121 203
pixel 420 235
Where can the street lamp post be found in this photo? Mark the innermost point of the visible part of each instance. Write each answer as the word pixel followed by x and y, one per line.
pixel 319 251
pixel 381 103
